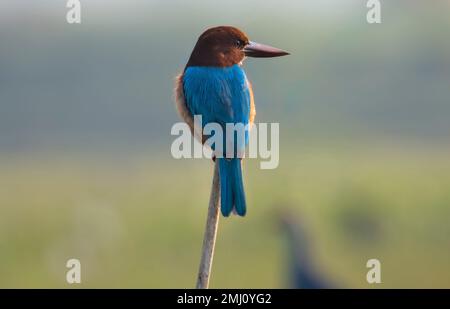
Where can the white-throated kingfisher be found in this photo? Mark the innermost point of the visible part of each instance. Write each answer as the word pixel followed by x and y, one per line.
pixel 214 86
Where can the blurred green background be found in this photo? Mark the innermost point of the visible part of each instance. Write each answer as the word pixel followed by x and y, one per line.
pixel 86 170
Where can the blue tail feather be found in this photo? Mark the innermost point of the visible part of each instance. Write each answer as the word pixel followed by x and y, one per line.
pixel 231 187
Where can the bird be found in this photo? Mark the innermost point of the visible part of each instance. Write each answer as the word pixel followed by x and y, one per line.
pixel 302 271
pixel 214 85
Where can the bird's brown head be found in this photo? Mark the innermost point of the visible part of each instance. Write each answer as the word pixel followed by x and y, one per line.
pixel 225 46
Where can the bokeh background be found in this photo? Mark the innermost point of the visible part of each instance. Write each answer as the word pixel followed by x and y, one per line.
pixel 86 170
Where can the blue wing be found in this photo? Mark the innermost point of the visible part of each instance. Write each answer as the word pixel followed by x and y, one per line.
pixel 220 95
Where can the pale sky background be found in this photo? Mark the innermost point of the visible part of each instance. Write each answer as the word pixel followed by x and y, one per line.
pixel 17 9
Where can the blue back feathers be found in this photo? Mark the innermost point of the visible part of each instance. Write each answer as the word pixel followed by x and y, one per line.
pixel 222 95
pixel 219 94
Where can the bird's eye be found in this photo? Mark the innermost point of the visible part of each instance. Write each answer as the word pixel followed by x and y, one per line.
pixel 239 44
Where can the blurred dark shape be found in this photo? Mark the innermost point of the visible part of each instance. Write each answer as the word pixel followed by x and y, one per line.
pixel 302 271
pixel 357 216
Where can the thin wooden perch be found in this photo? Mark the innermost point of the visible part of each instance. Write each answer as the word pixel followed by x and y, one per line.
pixel 209 240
